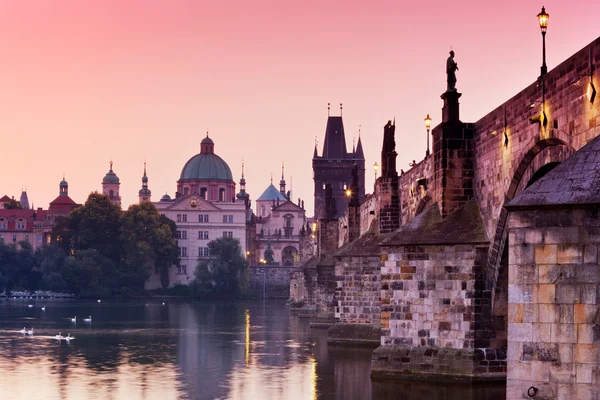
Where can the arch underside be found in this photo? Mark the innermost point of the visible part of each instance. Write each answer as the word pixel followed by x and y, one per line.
pixel 538 161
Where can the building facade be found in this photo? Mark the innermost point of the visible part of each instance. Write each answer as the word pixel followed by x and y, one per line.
pixel 334 166
pixel 205 208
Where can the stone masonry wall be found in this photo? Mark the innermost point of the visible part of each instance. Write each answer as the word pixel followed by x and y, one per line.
pixel 554 297
pixel 272 282
pixel 412 195
pixel 433 305
pixel 358 290
pixel 505 135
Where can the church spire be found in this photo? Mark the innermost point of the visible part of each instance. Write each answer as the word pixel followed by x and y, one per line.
pixel 242 195
pixel 144 193
pixel 282 181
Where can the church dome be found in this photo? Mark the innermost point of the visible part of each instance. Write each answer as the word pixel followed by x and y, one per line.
pixel 166 197
pixel 110 176
pixel 206 165
pixel 63 183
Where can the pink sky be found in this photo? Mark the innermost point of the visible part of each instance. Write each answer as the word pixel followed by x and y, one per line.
pixel 83 82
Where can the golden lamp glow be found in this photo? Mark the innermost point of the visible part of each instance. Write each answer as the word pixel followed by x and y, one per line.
pixel 314 226
pixel 348 193
pixel 543 18
pixel 375 168
pixel 427 121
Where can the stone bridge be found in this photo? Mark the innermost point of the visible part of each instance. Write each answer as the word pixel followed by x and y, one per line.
pixel 424 260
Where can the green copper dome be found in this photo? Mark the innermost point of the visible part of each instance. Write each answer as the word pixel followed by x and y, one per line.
pixel 206 166
pixel 64 183
pixel 110 177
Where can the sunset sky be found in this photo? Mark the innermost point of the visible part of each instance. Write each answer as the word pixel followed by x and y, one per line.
pixel 83 82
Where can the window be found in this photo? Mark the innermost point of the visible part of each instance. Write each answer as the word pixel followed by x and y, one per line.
pixel 179 270
pixel 202 234
pixel 221 194
pixel 2 223
pixel 178 235
pixel 184 270
pixel 203 193
pixel 230 219
pixel 178 217
pixel 182 251
pixel 39 238
pixel 202 251
pixel 184 234
pixel 14 238
pixel 27 238
pixel 184 218
pixel 186 191
pixel 202 217
pixel 224 219
pixel 228 234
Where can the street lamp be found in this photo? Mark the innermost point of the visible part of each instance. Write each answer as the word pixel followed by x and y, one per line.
pixel 543 19
pixel 375 169
pixel 427 126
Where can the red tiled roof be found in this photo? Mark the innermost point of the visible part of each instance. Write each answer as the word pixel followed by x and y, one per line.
pixel 5 199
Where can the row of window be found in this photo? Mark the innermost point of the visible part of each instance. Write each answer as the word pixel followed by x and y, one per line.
pixel 202 251
pixel 183 235
pixel 181 270
pixel 228 219
pixel 26 238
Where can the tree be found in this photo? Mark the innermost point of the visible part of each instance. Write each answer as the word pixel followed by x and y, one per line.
pixel 223 274
pixel 83 272
pixel 9 267
pixel 95 226
pixel 29 277
pixel 148 241
pixel 167 253
pixel 12 205
pixel 50 259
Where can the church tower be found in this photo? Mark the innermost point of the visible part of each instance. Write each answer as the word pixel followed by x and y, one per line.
pixel 144 192
pixel 110 186
pixel 282 182
pixel 335 165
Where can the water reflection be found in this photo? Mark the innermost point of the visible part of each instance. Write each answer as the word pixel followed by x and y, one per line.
pixel 138 350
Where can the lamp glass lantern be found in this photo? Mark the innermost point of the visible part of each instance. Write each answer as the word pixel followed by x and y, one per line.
pixel 543 19
pixel 427 126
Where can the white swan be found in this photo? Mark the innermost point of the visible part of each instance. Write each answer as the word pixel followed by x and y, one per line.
pixel 89 319
pixel 30 306
pixel 23 331
pixel 58 337
pixel 99 301
pixel 68 338
pixel 163 304
pixel 44 308
pixel 30 332
pixel 74 319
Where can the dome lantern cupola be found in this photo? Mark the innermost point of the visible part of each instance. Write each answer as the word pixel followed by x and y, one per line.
pixel 207 145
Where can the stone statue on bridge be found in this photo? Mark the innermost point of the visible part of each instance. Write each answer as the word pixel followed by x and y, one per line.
pixel 451 68
pixel 330 207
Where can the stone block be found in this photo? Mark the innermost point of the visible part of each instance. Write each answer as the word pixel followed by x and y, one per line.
pixel 522 274
pixel 564 333
pixel 542 333
pixel 533 236
pixel 586 353
pixel 569 254
pixel 558 235
pixel 521 254
pixel 545 294
pixel 546 254
pixel 590 255
pixel 566 314
pixel 548 313
pixel 520 370
pixel 567 293
pixel 584 373
pixel 563 373
pixel 565 351
pixel 522 332
pixel 540 371
pixel 520 293
pixel 584 313
pixel 552 273
pixel 586 333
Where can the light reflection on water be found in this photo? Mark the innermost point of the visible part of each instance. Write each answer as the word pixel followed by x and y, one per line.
pixel 134 350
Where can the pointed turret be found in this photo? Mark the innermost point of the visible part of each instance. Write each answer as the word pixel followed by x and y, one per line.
pixel 359 149
pixel 144 193
pixel 242 195
pixel 24 200
pixel 282 181
pixel 334 146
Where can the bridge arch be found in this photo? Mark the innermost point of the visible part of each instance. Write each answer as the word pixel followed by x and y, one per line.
pixel 542 156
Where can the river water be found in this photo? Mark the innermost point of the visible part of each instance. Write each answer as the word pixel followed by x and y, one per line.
pixel 182 350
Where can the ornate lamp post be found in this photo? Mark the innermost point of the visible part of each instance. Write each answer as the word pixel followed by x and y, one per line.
pixel 427 126
pixel 375 169
pixel 543 19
